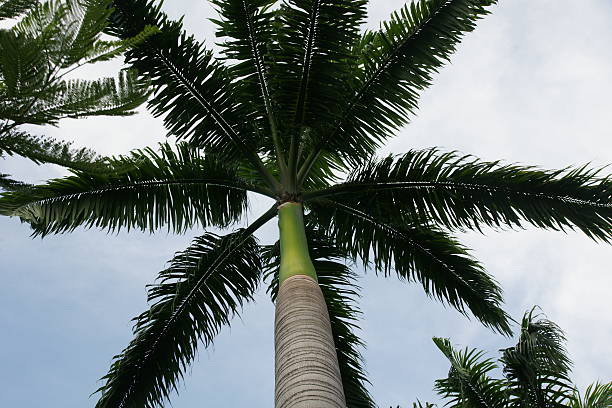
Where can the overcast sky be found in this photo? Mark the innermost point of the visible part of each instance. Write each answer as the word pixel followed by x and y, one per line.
pixel 531 85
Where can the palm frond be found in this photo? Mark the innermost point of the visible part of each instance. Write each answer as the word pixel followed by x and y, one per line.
pixel 597 395
pixel 416 252
pixel 193 91
pixel 337 283
pixel 15 8
pixel 468 384
pixel 175 189
pixel 53 39
pixel 397 62
pixel 462 192
pixel 420 404
pixel 42 149
pixel 27 77
pixel 82 98
pixel 312 64
pixel 246 29
pixel 538 367
pixel 199 292
pixel 103 50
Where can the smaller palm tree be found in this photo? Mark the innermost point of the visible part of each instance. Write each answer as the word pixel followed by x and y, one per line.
pixel 37 53
pixel 536 373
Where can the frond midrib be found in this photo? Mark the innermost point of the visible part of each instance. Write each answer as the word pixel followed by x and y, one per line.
pixel 215 182
pixel 353 187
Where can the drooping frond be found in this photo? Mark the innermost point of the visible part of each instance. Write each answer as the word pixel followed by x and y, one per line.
pixel 463 192
pixel 536 370
pixel 8 184
pixel 172 189
pixel 397 64
pixel 597 395
pixel 469 384
pixel 201 290
pixel 193 91
pixel 337 283
pixel 538 367
pixel 15 8
pixel 416 252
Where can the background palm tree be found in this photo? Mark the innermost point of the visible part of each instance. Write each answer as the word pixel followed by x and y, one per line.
pixel 45 44
pixel 536 370
pixel 411 200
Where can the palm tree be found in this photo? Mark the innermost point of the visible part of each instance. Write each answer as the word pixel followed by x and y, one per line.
pixel 295 110
pixel 45 44
pixel 536 373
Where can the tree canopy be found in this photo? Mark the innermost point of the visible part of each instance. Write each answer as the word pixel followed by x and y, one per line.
pixel 294 109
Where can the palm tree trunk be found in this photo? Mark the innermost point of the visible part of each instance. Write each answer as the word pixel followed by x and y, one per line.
pixel 306 363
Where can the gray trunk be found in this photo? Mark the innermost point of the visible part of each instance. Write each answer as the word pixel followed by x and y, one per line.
pixel 306 364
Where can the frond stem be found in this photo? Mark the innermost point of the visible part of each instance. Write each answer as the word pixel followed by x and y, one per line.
pixel 225 254
pixel 149 184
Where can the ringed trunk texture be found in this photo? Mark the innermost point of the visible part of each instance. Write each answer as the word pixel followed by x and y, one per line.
pixel 306 364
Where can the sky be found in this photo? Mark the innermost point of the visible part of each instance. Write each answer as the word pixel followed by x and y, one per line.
pixel 531 85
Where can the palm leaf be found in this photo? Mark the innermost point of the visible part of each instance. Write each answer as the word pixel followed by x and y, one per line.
pixel 537 368
pixel 337 282
pixel 83 98
pixel 468 384
pixel 23 69
pixel 193 91
pixel 15 8
pixel 203 287
pixel 42 149
pixel 246 30
pixel 463 192
pixel 311 66
pixel 33 54
pixel 596 396
pixel 149 191
pixel 415 252
pixel 397 64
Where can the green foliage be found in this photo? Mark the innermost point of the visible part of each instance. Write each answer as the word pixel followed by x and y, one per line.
pixel 396 64
pixel 538 367
pixel 8 184
pixel 596 396
pixel 14 8
pixel 469 378
pixel 53 39
pixel 201 290
pixel 293 109
pixel 536 373
pixel 463 192
pixel 36 55
pixel 48 150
